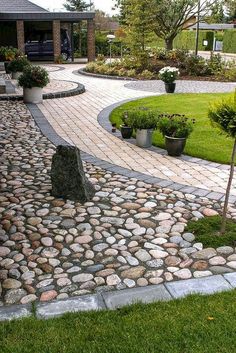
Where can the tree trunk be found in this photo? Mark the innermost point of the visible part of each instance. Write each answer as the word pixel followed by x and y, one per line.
pixel 169 43
pixel 231 174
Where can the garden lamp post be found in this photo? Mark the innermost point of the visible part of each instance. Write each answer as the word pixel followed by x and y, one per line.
pixel 110 38
pixel 198 25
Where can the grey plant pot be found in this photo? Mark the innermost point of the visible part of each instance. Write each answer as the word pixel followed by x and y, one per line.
pixel 175 146
pixel 144 138
pixel 33 95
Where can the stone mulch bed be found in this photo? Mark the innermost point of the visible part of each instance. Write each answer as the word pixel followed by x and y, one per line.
pixel 130 234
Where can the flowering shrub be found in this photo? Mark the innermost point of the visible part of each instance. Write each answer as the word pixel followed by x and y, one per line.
pixel 169 74
pixel 34 76
pixel 175 125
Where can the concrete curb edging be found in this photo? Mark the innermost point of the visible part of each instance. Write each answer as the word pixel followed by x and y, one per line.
pixel 63 94
pixel 119 298
pixel 108 77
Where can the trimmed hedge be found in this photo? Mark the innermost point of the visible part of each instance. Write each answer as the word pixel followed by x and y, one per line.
pixel 187 40
pixel 229 41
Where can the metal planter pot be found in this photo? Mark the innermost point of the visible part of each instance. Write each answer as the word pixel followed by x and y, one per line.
pixel 144 138
pixel 126 131
pixel 33 95
pixel 175 146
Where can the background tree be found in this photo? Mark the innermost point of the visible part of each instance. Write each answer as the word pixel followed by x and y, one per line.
pixel 230 9
pixel 172 16
pixel 217 14
pixel 224 116
pixel 80 6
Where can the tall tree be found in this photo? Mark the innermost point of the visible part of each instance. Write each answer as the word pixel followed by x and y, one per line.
pixel 230 6
pixel 76 5
pixel 80 6
pixel 139 22
pixel 172 16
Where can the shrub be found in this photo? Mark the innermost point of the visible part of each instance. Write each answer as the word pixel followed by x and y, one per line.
pixel 143 119
pixel 175 125
pixel 215 63
pixel 146 75
pixel 34 76
pixel 197 66
pixel 9 53
pixel 131 73
pixel 161 53
pixel 91 67
pixel 223 114
pixel 18 64
pixel 168 74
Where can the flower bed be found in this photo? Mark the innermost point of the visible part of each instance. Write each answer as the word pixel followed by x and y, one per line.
pixel 189 66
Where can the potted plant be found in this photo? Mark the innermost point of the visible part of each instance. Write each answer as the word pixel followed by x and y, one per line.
pixel 176 129
pixel 125 129
pixel 144 121
pixel 33 79
pixel 17 66
pixel 168 75
pixel 9 53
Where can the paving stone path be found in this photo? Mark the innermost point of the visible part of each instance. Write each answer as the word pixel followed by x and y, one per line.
pixel 132 234
pixel 75 119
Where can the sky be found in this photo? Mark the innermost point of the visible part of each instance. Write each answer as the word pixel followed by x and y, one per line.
pixel 57 5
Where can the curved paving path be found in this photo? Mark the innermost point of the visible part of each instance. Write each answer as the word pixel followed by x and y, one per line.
pixel 75 120
pixel 183 86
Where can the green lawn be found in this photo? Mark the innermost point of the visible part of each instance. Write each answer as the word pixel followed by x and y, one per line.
pixel 195 324
pixel 206 141
pixel 206 231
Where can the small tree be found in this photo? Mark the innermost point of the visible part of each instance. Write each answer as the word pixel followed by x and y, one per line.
pixel 223 115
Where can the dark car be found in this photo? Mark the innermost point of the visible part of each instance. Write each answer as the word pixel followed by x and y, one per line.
pixel 39 45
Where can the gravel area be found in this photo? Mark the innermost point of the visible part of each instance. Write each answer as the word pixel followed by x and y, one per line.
pixel 183 86
pixel 131 234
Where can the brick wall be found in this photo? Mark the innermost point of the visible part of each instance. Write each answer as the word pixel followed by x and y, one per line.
pixel 56 38
pixel 91 40
pixel 20 35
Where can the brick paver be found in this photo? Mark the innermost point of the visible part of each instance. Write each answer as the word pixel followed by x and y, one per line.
pixel 75 119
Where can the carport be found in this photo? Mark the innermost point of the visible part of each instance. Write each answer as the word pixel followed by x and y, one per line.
pixel 16 15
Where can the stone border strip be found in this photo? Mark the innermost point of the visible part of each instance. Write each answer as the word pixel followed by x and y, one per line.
pixel 119 298
pixel 63 94
pixel 108 77
pixel 51 134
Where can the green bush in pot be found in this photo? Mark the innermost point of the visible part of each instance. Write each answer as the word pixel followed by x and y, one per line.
pixel 176 129
pixel 33 79
pixel 144 121
pixel 17 66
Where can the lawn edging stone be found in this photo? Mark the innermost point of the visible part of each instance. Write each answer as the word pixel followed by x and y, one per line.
pixel 120 298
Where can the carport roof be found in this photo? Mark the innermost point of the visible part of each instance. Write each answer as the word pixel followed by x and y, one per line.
pixel 13 10
pixel 20 6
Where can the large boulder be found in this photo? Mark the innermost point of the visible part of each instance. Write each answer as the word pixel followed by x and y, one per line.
pixel 67 175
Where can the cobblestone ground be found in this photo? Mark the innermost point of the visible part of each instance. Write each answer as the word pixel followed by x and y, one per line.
pixel 131 234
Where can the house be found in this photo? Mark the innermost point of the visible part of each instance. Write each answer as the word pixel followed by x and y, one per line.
pixel 21 19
